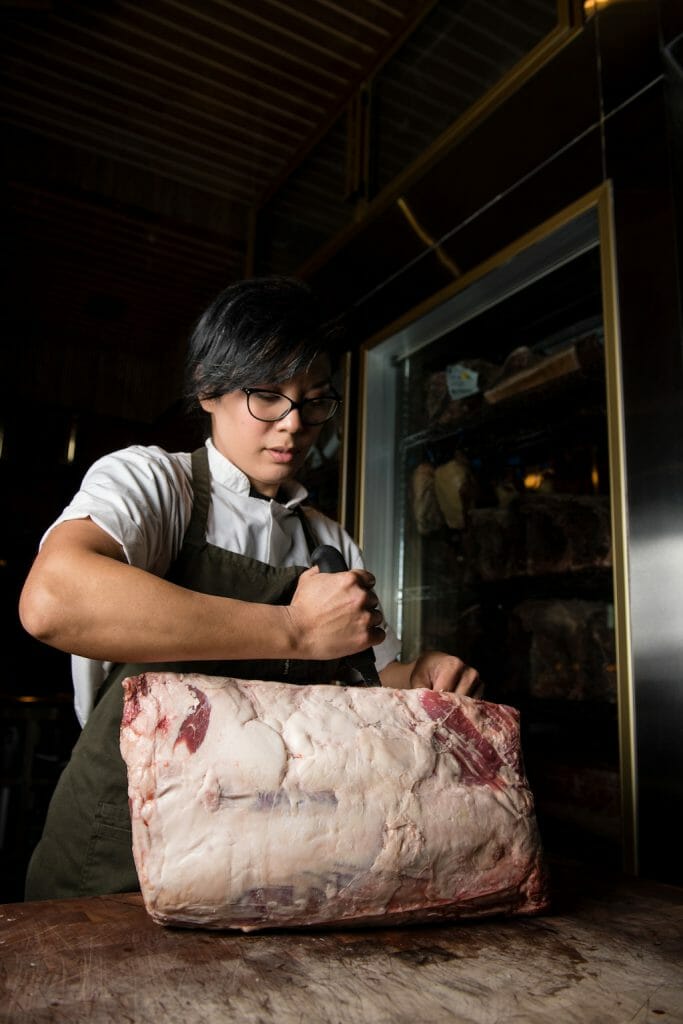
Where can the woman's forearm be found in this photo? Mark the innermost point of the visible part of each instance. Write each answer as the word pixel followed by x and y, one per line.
pixel 82 597
pixel 105 609
pixel 397 675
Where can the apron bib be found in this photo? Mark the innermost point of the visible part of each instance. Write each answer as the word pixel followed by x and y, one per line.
pixel 85 849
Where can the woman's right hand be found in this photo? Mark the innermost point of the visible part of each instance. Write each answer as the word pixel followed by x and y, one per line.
pixel 335 614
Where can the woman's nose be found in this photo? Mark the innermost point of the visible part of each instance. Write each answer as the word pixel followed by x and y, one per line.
pixel 292 422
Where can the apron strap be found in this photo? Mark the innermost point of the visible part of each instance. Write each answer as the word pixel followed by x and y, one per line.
pixel 311 540
pixel 201 486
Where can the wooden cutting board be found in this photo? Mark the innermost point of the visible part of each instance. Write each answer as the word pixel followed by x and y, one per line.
pixel 609 953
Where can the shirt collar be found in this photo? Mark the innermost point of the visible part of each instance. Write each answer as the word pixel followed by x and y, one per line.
pixel 224 472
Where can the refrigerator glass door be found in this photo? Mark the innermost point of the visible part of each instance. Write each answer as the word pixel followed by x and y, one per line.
pixel 486 511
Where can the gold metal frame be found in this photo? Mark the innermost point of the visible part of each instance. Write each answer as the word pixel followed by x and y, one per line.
pixel 600 200
pixel 618 506
pixel 345 371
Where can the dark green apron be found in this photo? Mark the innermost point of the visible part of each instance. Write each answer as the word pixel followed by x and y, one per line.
pixel 85 849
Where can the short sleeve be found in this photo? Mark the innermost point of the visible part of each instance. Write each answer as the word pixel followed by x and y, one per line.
pixel 140 496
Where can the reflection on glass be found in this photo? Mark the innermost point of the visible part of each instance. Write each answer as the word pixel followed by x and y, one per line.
pixel 309 208
pixel 460 50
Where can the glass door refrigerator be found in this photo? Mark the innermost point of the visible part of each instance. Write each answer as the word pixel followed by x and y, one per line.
pixel 491 510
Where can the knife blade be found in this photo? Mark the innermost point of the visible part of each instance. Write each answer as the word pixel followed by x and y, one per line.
pixel 362 664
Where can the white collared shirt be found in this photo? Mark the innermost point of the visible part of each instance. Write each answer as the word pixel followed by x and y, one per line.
pixel 142 497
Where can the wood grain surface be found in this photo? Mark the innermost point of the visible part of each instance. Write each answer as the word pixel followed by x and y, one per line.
pixel 610 952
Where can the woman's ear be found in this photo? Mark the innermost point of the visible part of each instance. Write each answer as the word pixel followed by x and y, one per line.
pixel 207 404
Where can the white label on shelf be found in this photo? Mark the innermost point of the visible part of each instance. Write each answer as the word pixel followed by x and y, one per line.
pixel 461 381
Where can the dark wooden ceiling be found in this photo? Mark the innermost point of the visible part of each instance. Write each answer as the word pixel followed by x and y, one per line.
pixel 138 138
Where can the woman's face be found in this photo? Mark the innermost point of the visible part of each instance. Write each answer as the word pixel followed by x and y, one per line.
pixel 268 453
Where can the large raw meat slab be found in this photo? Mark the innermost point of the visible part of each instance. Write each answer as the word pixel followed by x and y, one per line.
pixel 260 805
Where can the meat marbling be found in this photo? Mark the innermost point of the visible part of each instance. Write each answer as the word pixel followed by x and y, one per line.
pixel 258 804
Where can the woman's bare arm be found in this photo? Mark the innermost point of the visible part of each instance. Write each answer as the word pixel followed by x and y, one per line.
pixel 81 596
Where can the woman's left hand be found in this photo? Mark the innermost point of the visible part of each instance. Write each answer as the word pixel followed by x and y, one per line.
pixel 434 670
pixel 438 671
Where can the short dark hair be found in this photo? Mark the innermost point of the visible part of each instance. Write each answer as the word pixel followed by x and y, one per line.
pixel 257 330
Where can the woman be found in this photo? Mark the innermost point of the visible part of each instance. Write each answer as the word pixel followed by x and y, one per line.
pixel 199 562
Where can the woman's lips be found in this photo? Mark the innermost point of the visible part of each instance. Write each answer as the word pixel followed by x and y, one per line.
pixel 282 455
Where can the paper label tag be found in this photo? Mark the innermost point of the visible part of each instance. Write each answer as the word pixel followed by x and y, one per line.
pixel 461 381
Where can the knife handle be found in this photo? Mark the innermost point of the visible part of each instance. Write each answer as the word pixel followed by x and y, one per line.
pixel 329 559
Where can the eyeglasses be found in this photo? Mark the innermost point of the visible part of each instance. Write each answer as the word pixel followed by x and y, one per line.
pixel 270 406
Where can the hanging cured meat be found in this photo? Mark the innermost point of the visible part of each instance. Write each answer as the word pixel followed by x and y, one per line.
pixel 428 514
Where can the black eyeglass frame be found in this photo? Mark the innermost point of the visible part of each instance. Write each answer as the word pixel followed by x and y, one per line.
pixel 299 406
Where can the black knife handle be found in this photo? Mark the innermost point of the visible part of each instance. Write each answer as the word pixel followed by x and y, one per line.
pixel 329 559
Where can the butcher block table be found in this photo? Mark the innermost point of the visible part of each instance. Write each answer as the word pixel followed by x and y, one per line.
pixel 610 952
